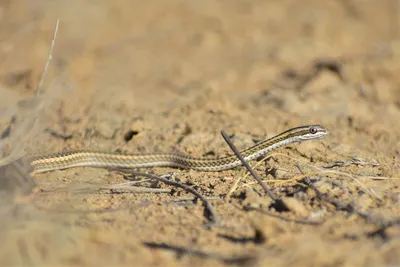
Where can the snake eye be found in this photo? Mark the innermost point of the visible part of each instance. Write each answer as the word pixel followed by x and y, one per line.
pixel 313 130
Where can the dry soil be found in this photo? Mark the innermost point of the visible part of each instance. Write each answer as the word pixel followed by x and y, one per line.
pixel 167 76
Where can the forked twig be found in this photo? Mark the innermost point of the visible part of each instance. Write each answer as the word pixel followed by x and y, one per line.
pixel 341 205
pixel 337 203
pixel 318 171
pixel 211 214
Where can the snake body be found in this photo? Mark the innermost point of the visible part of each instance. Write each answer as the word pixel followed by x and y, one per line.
pixel 76 158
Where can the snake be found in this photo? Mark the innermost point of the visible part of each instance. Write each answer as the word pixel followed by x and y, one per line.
pixel 87 158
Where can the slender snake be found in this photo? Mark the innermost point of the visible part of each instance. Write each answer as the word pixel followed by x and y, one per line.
pixel 76 158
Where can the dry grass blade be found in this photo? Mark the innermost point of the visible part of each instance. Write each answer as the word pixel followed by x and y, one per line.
pixel 14 172
pixel 243 176
pixel 49 58
pixel 29 125
pixel 248 167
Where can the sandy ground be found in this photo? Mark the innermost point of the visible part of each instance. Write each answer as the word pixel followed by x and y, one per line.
pixel 165 76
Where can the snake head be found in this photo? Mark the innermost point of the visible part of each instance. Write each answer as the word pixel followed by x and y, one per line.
pixel 312 132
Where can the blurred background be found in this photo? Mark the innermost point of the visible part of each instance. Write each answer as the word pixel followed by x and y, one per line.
pixel 162 70
pixel 132 57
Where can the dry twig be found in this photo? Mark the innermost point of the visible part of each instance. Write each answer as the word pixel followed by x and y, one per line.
pixel 211 214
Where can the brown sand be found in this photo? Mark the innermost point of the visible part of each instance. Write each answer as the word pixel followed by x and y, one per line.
pixel 175 73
